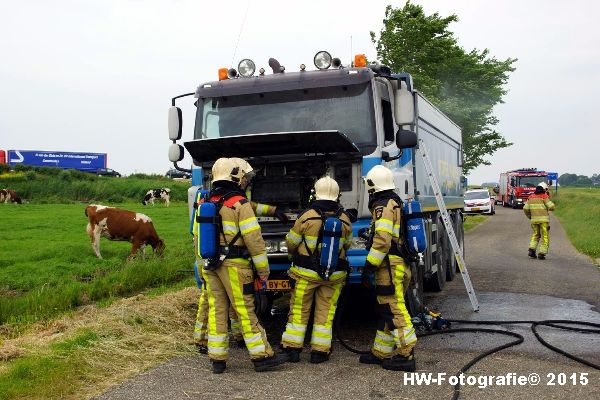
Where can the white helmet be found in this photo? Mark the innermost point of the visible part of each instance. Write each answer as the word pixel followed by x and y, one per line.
pixel 327 188
pixel 379 179
pixel 543 185
pixel 245 169
pixel 223 170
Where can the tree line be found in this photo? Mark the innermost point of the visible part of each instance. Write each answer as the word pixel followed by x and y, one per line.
pixel 578 180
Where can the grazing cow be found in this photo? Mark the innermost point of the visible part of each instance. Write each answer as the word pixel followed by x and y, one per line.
pixel 8 195
pixel 157 194
pixel 122 225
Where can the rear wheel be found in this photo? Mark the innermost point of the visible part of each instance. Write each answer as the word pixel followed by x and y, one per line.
pixel 438 278
pixel 414 293
pixel 460 237
pixel 450 259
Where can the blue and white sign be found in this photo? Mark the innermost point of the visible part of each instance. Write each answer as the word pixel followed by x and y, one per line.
pixel 89 162
pixel 552 176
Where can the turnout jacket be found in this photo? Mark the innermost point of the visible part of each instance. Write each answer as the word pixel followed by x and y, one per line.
pixel 385 230
pixel 537 207
pixel 237 215
pixel 306 230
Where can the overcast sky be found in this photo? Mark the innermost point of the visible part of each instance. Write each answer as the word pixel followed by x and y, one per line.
pixel 98 76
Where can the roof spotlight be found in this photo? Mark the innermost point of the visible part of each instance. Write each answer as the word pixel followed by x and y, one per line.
pixel 322 60
pixel 302 67
pixel 246 68
pixel 232 73
pixel 261 71
pixel 336 63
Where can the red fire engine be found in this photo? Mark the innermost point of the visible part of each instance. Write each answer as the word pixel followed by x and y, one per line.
pixel 516 186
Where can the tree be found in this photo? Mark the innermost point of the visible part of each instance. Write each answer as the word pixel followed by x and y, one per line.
pixel 464 85
pixel 567 179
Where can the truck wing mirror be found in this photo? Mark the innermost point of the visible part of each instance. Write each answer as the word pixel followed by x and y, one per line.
pixel 404 105
pixel 174 123
pixel 406 139
pixel 175 152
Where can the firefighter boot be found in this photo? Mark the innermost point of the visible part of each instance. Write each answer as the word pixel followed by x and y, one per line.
pixel 369 358
pixel 532 253
pixel 317 357
pixel 293 355
pixel 269 363
pixel 218 367
pixel 400 363
pixel 541 256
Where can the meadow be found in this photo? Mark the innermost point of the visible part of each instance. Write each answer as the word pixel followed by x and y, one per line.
pixel 578 210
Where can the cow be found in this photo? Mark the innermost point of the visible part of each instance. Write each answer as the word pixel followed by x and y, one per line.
pixel 157 194
pixel 8 195
pixel 122 225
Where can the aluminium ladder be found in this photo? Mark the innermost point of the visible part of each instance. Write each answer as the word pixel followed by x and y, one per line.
pixel 458 254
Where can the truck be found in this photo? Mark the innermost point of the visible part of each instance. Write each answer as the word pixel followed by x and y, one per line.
pixel 515 186
pixel 86 162
pixel 340 121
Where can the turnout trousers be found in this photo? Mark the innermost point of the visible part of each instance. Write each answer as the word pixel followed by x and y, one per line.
pixel 540 234
pixel 233 284
pixel 325 295
pixel 395 332
pixel 201 326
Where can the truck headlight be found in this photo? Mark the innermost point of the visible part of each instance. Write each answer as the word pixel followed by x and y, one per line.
pixel 276 246
pixel 358 243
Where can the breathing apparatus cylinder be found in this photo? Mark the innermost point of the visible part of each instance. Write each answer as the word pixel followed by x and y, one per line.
pixel 415 226
pixel 330 247
pixel 208 230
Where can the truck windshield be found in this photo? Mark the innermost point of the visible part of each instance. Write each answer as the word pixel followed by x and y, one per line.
pixel 531 181
pixel 348 109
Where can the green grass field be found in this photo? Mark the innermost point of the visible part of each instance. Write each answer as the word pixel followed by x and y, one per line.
pixel 578 210
pixel 47 264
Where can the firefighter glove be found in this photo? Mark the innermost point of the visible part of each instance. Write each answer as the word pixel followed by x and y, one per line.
pixel 280 215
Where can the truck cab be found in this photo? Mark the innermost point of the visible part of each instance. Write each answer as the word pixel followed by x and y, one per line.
pixel 295 127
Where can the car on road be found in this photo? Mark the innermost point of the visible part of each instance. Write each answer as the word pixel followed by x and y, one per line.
pixel 479 201
pixel 175 173
pixel 107 172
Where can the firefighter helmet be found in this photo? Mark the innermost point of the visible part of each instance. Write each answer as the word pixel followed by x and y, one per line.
pixel 379 179
pixel 245 170
pixel 327 188
pixel 543 185
pixel 225 169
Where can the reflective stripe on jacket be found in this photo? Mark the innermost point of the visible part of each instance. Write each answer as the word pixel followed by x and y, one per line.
pixel 537 208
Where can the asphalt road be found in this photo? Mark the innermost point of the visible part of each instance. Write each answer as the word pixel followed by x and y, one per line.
pixel 509 286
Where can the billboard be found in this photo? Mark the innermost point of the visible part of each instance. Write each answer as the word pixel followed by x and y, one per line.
pixel 88 162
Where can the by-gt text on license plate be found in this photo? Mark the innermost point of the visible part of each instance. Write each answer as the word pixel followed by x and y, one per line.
pixel 278 284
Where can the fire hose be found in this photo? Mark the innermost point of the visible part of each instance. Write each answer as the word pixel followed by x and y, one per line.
pixel 518 339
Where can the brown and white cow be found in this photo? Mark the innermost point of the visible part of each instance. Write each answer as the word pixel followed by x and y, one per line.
pixel 8 195
pixel 122 225
pixel 163 194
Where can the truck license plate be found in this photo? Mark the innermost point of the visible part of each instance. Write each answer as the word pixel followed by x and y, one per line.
pixel 278 284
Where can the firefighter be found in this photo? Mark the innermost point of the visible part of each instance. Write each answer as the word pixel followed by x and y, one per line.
pixel 311 283
pixel 536 209
pixel 231 281
pixel 201 326
pixel 395 338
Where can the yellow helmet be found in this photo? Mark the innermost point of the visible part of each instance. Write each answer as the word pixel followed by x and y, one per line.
pixel 327 188
pixel 379 179
pixel 223 170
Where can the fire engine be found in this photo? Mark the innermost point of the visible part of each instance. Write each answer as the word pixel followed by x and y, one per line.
pixel 516 186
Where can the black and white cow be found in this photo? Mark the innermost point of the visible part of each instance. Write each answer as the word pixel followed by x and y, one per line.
pixel 157 194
